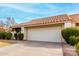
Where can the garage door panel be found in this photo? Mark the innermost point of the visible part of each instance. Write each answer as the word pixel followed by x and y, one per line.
pixel 50 34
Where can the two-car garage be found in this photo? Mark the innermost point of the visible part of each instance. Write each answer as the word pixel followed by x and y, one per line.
pixel 48 34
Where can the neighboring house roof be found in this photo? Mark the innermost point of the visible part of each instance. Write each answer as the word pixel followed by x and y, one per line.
pixel 50 20
pixel 8 29
pixel 1 29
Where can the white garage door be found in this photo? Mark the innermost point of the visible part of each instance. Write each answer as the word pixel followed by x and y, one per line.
pixel 49 34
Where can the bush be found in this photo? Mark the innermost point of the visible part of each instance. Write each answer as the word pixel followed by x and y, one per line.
pixel 16 36
pixel 73 40
pixel 5 35
pixel 77 48
pixel 8 35
pixel 2 35
pixel 20 36
pixel 67 32
pixel 77 38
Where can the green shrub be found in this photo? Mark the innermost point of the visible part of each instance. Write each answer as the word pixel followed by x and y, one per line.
pixel 8 35
pixel 73 40
pixel 20 36
pixel 2 35
pixel 5 35
pixel 77 38
pixel 77 48
pixel 67 32
pixel 16 36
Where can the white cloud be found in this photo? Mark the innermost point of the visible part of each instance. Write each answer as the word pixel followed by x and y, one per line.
pixel 73 12
pixel 51 8
pixel 33 10
pixel 27 9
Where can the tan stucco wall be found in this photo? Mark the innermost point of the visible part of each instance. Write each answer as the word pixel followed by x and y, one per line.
pixel 24 30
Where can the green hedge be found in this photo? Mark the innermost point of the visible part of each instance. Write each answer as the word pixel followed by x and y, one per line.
pixel 77 48
pixel 16 36
pixel 2 35
pixel 73 40
pixel 19 36
pixel 5 35
pixel 70 34
pixel 8 35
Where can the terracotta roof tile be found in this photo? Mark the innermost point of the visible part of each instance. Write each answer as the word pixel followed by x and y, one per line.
pixel 75 17
pixel 50 20
pixel 47 20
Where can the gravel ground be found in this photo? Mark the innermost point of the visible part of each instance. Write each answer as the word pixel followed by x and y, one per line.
pixel 69 50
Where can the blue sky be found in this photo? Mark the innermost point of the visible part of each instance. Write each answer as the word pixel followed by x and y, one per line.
pixel 23 12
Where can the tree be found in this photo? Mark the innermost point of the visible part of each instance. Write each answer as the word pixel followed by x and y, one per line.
pixel 10 21
pixel 1 23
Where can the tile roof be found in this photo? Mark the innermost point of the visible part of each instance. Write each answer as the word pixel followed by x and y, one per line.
pixel 50 20
pixel 1 28
pixel 75 17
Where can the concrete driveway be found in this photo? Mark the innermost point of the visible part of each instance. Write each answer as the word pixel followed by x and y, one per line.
pixel 30 48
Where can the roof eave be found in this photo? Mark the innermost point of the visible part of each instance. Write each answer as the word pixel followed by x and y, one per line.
pixel 32 25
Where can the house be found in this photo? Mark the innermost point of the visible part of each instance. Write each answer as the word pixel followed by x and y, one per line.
pixel 47 29
pixel 2 28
